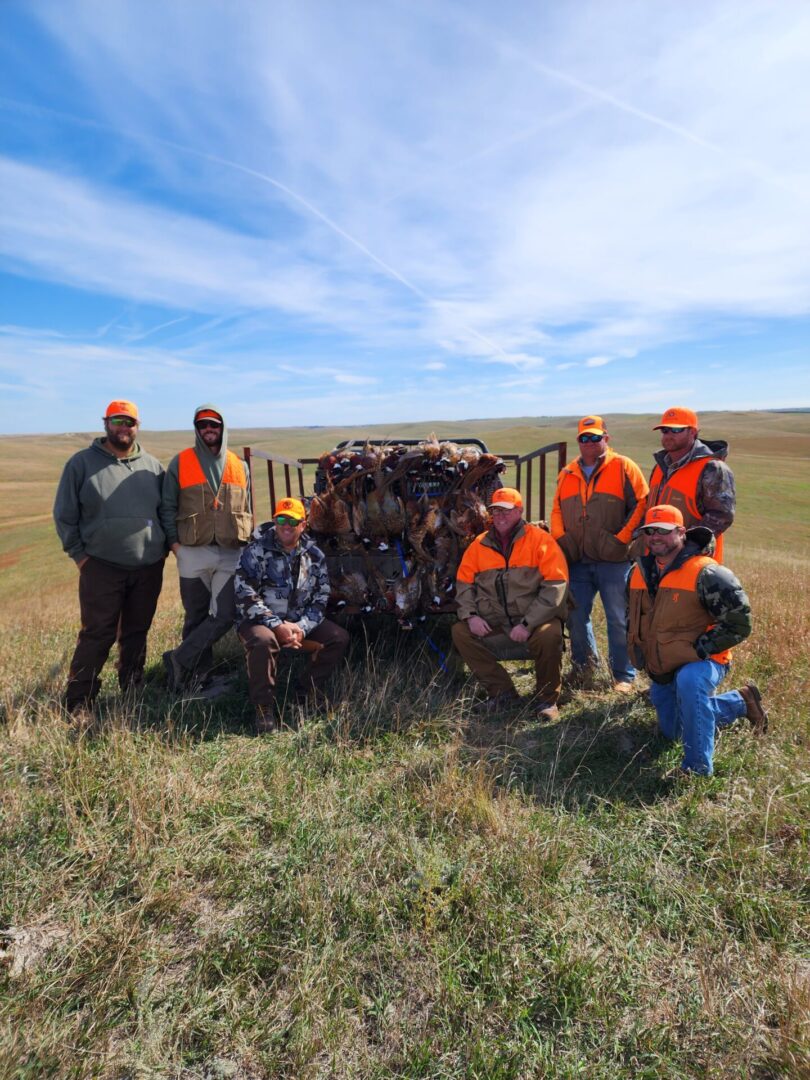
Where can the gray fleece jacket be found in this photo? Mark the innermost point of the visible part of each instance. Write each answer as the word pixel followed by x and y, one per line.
pixel 108 507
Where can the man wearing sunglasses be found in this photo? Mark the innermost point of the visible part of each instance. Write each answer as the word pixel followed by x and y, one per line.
pixel 107 517
pixel 207 518
pixel 282 589
pixel 599 502
pixel 692 475
pixel 685 614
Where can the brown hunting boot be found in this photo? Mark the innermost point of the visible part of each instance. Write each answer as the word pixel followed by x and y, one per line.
pixel 754 709
pixel 264 722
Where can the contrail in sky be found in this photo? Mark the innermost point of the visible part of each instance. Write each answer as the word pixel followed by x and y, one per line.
pixel 271 180
pixel 756 168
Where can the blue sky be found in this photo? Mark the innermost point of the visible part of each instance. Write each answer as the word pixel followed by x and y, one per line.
pixel 383 210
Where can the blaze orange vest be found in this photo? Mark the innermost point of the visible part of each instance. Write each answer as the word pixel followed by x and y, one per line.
pixel 664 629
pixel 207 517
pixel 680 489
pixel 597 515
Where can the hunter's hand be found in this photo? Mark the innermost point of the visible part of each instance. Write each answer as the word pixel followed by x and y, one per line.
pixel 478 627
pixel 520 633
pixel 290 635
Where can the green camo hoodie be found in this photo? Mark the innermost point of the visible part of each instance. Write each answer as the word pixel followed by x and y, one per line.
pixel 107 507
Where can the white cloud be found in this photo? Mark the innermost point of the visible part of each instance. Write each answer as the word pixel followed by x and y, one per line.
pixel 553 186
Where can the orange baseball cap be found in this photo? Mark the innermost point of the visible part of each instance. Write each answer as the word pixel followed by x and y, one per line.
pixel 592 425
pixel 663 516
pixel 292 508
pixel 678 417
pixel 122 408
pixel 507 499
pixel 207 414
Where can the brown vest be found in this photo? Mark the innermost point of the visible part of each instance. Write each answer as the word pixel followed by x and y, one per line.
pixel 205 517
pixel 663 630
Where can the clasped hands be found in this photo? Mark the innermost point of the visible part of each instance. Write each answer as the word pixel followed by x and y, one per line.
pixel 480 628
pixel 289 635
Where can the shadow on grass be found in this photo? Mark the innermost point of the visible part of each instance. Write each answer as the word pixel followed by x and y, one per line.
pixel 600 751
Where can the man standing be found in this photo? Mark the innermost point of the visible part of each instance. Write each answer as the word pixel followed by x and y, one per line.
pixel 693 476
pixel 106 514
pixel 685 614
pixel 599 502
pixel 282 588
pixel 206 516
pixel 511 590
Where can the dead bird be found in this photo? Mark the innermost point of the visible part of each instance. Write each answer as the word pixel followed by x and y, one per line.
pixel 406 592
pixel 424 518
pixel 349 588
pixel 329 514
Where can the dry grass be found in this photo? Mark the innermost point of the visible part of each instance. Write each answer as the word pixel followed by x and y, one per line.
pixel 394 890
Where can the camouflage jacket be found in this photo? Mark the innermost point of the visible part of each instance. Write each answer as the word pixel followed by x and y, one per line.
pixel 718 590
pixel 274 586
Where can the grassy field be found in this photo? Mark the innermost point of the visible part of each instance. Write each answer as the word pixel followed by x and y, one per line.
pixel 397 890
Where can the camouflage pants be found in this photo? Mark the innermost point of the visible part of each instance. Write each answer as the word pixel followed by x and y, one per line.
pixel 117 604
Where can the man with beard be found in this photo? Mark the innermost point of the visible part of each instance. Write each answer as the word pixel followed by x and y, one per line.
pixel 512 590
pixel 692 474
pixel 685 614
pixel 206 516
pixel 107 517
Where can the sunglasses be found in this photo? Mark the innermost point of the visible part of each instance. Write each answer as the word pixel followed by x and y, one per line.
pixel 201 425
pixel 671 430
pixel 285 519
pixel 121 421
pixel 590 438
pixel 651 530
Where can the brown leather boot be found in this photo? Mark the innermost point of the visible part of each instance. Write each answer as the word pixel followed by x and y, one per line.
pixel 754 710
pixel 264 722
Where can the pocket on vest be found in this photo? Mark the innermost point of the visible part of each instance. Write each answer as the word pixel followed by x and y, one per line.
pixel 672 652
pixel 244 526
pixel 610 549
pixel 187 530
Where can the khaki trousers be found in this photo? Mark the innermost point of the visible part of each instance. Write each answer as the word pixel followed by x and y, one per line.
pixel 544 647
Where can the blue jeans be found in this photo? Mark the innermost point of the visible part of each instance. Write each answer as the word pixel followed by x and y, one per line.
pixel 610 581
pixel 688 709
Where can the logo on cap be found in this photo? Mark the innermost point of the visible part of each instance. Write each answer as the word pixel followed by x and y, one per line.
pixel 291 507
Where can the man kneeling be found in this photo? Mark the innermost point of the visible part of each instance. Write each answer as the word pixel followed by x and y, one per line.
pixel 282 588
pixel 511 590
pixel 686 613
